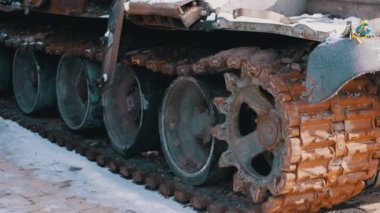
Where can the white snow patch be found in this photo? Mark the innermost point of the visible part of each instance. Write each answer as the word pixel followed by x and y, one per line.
pixel 324 23
pixel 52 163
pixel 332 39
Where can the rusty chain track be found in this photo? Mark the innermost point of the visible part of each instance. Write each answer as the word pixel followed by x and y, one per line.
pixel 331 148
pixel 52 40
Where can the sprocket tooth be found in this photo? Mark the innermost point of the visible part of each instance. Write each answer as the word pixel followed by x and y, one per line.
pixel 222 104
pixel 227 159
pixel 231 81
pixel 258 194
pixel 239 182
pixel 220 132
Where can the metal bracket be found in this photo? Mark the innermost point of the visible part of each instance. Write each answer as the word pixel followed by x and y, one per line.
pixel 113 34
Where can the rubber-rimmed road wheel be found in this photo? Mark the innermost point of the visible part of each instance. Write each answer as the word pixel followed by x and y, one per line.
pixel 131 102
pixel 186 118
pixel 79 101
pixel 34 80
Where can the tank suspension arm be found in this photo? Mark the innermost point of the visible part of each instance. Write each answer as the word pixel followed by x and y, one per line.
pixel 112 40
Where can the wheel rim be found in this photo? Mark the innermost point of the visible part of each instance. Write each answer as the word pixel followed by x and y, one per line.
pixel 33 81
pixel 79 102
pixel 186 119
pixel 123 104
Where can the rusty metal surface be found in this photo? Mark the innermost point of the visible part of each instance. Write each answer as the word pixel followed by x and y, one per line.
pixel 80 8
pixel 165 15
pixel 317 146
pixel 327 150
pixel 68 7
pixel 113 37
pixel 52 40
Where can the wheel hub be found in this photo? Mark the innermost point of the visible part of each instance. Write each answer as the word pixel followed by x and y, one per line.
pixel 269 130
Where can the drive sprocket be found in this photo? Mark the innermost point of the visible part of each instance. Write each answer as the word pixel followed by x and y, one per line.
pixel 292 156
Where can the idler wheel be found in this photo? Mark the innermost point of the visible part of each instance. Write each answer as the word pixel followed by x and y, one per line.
pixel 79 101
pixel 5 69
pixel 131 102
pixel 186 119
pixel 34 80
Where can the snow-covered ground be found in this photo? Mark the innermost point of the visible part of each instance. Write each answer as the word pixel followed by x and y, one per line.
pixel 49 162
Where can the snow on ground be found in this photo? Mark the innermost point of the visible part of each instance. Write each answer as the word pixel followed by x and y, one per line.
pixel 55 164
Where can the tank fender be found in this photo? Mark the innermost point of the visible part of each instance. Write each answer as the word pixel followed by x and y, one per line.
pixel 333 64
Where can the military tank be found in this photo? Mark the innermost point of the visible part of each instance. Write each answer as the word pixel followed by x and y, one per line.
pixel 286 92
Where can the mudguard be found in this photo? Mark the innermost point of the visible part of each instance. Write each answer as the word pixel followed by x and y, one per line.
pixel 333 64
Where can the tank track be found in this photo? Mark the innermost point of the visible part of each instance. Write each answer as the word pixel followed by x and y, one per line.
pixel 52 40
pixel 330 149
pixel 320 168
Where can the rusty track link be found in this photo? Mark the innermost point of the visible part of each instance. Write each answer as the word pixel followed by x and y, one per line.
pixel 330 149
pixel 52 40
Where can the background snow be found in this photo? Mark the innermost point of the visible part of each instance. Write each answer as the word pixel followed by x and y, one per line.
pixel 50 162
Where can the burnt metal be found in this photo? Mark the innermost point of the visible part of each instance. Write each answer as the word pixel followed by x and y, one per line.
pixel 79 101
pixel 180 14
pixel 34 80
pixel 253 129
pixel 131 103
pixel 5 68
pixel 333 65
pixel 186 118
pixel 113 37
pixel 66 7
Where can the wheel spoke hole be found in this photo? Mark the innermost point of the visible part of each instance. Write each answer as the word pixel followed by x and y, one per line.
pixel 268 96
pixel 262 163
pixel 247 120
